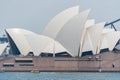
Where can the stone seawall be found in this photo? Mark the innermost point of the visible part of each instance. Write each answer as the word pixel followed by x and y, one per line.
pixel 103 62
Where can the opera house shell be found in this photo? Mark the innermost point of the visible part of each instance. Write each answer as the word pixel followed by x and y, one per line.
pixel 25 42
pixel 69 33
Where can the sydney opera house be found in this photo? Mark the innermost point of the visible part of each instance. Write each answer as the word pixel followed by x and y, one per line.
pixel 69 42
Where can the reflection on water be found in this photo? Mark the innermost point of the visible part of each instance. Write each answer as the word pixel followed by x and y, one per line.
pixel 59 76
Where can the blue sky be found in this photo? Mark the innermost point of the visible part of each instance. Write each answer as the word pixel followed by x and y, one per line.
pixel 35 14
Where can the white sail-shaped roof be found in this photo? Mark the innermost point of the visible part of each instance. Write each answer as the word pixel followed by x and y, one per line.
pixel 55 25
pixel 109 39
pixel 70 35
pixel 54 47
pixel 85 41
pixel 40 43
pixel 95 34
pixel 112 39
pixel 3 47
pixel 87 45
pixel 18 36
pixel 103 40
pixel 27 41
pixel 89 23
pixel 104 43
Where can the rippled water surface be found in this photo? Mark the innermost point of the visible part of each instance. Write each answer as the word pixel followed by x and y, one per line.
pixel 58 76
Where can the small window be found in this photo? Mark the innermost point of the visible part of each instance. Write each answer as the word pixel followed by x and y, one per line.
pixel 8 65
pixel 26 64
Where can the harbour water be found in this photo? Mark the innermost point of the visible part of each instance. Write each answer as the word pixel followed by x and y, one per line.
pixel 59 76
